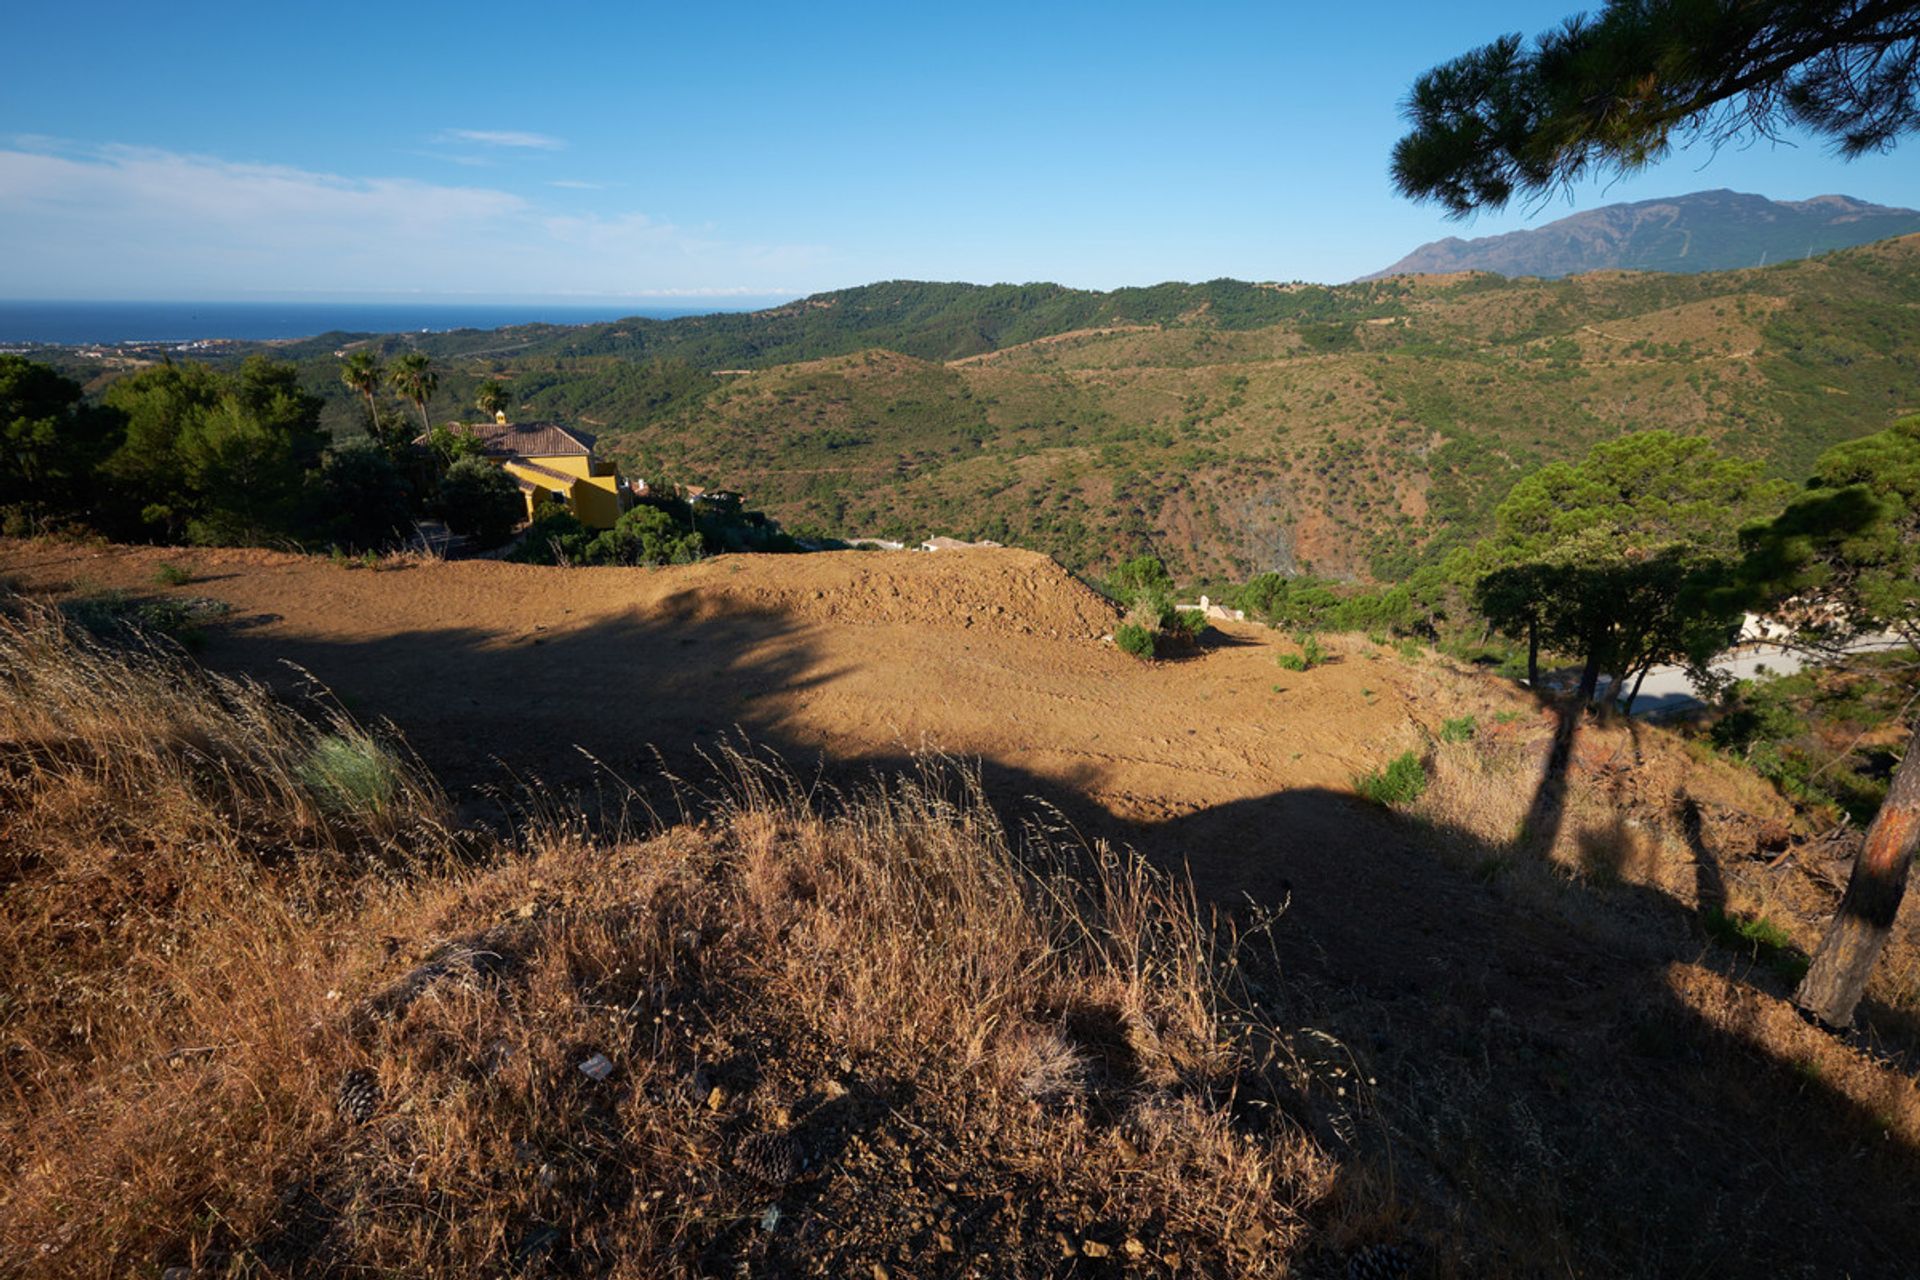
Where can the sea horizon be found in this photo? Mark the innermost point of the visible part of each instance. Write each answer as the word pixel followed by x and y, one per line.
pixel 71 323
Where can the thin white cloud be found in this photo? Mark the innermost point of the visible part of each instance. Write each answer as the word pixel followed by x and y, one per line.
pixel 502 138
pixel 128 221
pixel 574 184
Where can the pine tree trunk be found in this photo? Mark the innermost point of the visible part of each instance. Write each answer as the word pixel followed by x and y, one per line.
pixel 1637 682
pixel 1838 976
pixel 1589 678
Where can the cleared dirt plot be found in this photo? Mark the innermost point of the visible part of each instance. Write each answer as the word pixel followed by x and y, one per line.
pixel 859 1014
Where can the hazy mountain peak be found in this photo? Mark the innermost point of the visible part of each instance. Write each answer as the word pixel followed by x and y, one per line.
pixel 1706 231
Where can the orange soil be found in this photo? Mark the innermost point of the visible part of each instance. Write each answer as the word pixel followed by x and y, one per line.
pixel 861 658
pixel 991 654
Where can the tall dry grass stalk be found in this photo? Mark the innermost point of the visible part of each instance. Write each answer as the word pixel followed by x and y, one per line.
pixel 265 1012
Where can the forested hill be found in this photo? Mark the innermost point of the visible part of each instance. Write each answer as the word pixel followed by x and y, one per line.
pixel 1357 429
pixel 928 320
pixel 1705 231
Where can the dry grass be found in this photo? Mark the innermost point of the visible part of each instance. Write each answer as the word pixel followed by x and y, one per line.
pixel 590 1053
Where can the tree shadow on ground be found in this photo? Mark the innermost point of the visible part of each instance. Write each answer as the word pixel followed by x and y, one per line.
pixel 1551 1086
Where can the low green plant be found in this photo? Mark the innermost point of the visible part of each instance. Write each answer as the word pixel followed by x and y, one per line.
pixel 1192 622
pixel 350 774
pixel 1758 937
pixel 1458 729
pixel 1310 656
pixel 554 536
pixel 116 615
pixel 1506 717
pixel 1403 781
pixel 1135 639
pixel 172 575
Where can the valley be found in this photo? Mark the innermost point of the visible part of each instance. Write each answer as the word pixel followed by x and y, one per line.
pixel 1354 431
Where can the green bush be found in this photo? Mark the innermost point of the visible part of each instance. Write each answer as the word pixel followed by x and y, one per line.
pixel 116 615
pixel 1191 623
pixel 1143 577
pixel 480 501
pixel 358 500
pixel 1403 781
pixel 1316 604
pixel 555 536
pixel 172 575
pixel 645 535
pixel 1135 639
pixel 350 774
pixel 1458 729
pixel 1311 655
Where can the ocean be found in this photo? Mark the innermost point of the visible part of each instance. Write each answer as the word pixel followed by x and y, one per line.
pixel 69 323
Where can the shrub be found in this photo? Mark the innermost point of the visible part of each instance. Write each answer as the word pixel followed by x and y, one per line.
pixel 172 575
pixel 1191 622
pixel 115 615
pixel 480 501
pixel 359 500
pixel 350 773
pixel 554 536
pixel 1140 578
pixel 645 535
pixel 1135 639
pixel 1311 655
pixel 1458 729
pixel 1403 781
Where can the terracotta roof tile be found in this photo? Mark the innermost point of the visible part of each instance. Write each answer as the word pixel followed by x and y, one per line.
pixel 528 439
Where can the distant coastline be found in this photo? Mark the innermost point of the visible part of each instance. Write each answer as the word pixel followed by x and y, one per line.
pixel 80 323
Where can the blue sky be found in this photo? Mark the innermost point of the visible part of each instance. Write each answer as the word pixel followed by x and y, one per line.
pixel 737 151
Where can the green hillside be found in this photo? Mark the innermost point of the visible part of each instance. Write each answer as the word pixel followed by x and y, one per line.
pixel 1233 427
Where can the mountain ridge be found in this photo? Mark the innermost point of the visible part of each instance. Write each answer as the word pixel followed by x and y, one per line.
pixel 1355 430
pixel 1719 230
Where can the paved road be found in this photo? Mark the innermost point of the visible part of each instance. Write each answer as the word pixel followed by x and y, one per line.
pixel 1667 691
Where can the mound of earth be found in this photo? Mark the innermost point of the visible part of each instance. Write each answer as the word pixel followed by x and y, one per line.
pixel 1014 592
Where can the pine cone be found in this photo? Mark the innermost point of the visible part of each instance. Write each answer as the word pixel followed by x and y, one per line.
pixel 1379 1262
pixel 769 1158
pixel 359 1095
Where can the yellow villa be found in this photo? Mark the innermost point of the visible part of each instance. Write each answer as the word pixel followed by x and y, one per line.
pixel 548 461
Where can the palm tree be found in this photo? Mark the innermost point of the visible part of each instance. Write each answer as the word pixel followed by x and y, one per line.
pixel 361 372
pixel 494 398
pixel 412 376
